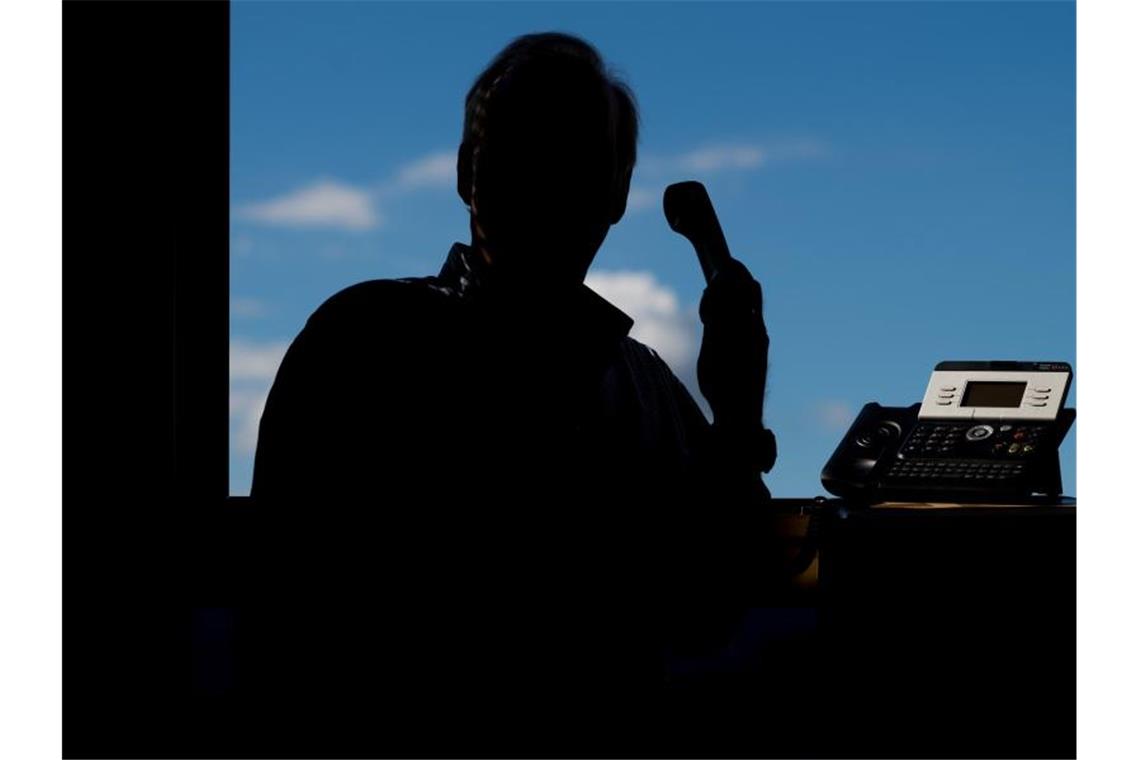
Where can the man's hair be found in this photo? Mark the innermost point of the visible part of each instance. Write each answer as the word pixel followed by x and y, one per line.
pixel 560 66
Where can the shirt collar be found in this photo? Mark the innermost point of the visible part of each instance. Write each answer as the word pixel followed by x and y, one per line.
pixel 465 272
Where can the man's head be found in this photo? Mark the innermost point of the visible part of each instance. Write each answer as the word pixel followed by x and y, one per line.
pixel 549 145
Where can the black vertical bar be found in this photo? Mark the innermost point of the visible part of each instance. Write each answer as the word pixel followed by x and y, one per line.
pixel 145 329
pixel 199 119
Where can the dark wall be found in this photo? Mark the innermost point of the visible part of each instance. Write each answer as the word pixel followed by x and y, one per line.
pixel 145 293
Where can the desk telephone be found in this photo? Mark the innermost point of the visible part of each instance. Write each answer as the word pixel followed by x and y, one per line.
pixel 986 431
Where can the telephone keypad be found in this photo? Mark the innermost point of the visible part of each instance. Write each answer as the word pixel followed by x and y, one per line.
pixel 949 440
pixel 944 470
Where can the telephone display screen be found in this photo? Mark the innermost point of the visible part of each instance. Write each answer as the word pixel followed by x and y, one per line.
pixel 993 394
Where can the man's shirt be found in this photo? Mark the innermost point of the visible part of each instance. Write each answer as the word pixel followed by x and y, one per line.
pixel 455 383
pixel 531 465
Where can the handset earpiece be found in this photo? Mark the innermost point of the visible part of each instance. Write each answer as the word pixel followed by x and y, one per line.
pixel 690 213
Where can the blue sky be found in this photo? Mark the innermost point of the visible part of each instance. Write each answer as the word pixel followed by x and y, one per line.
pixel 900 177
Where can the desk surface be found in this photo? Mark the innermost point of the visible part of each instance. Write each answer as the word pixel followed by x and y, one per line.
pixel 798 521
pixel 819 503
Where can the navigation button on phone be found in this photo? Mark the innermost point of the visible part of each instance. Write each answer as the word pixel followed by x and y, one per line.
pixel 979 432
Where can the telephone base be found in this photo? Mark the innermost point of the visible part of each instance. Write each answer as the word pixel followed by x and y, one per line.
pixel 877 461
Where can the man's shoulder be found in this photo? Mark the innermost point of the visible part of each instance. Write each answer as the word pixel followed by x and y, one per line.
pixel 651 374
pixel 380 297
pixel 643 359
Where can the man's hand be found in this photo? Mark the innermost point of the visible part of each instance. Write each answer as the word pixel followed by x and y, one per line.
pixel 732 367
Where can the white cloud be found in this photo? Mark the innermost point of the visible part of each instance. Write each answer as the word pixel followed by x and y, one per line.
pixel 332 204
pixel 798 149
pixel 720 158
pixel 641 198
pixel 833 414
pixel 246 406
pixel 715 158
pixel 703 162
pixel 433 170
pixel 707 159
pixel 253 365
pixel 255 361
pixel 326 203
pixel 247 307
pixel 659 320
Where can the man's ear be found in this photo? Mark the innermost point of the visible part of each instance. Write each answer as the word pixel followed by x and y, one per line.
pixel 620 195
pixel 464 172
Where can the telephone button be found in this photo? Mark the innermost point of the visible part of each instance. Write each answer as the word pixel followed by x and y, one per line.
pixel 948 388
pixel 1005 428
pixel 1035 403
pixel 947 403
pixel 979 432
pixel 1042 390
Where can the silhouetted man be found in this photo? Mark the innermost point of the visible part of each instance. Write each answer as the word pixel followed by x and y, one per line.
pixel 549 511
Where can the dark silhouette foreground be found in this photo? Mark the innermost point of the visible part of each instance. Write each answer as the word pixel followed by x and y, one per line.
pixel 500 517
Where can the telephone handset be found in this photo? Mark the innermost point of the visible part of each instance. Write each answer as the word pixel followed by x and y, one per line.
pixel 986 431
pixel 690 213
